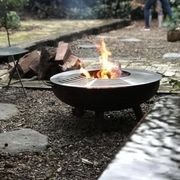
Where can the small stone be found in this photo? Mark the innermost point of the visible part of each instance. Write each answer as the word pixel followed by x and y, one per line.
pixel 59 169
pixel 171 55
pixel 86 161
pixel 87 46
pixel 95 163
pixel 130 40
pixel 7 111
pixel 169 73
pixel 22 141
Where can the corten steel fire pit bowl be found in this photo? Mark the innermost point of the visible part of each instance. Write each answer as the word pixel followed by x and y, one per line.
pixel 128 91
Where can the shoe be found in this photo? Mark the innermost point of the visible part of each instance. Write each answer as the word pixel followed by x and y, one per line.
pixel 146 29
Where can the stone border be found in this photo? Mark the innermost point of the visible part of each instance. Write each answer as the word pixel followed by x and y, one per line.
pixel 152 151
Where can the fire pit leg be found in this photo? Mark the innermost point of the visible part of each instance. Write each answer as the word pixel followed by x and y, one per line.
pixel 138 112
pixel 99 115
pixel 77 112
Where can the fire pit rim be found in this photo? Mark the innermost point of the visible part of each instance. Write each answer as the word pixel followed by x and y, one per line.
pixel 134 74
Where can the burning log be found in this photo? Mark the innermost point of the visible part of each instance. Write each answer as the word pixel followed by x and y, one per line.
pixel 109 69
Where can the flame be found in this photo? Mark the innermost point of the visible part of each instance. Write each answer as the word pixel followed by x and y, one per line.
pixel 85 72
pixel 109 70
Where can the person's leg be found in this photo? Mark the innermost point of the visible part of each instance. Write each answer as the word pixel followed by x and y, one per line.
pixel 160 13
pixel 147 8
pixel 166 7
pixel 150 16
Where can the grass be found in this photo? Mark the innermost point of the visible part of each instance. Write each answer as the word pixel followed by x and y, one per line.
pixel 33 30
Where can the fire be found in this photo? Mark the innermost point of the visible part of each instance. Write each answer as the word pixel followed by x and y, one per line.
pixel 85 72
pixel 109 70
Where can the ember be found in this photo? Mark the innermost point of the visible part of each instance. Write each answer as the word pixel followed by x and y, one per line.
pixel 109 69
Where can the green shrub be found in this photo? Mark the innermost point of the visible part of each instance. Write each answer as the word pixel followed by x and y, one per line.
pixel 174 22
pixel 9 19
pixel 8 16
pixel 112 9
pixel 12 20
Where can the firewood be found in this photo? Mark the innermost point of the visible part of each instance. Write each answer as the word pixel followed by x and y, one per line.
pixel 27 60
pixel 63 52
pixel 73 62
pixel 35 67
pixel 47 65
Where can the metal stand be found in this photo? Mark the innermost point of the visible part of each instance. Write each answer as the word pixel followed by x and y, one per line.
pixel 12 73
pixel 11 52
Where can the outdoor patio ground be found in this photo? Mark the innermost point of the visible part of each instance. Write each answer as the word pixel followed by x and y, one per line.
pixel 77 149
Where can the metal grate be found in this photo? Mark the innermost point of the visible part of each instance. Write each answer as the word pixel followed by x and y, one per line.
pixel 128 78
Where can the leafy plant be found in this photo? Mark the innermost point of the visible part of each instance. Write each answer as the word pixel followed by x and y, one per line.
pixel 175 84
pixel 112 8
pixel 174 22
pixel 12 20
pixel 9 19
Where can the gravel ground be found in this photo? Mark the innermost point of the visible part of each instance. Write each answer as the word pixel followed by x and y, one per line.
pixel 152 45
pixel 78 148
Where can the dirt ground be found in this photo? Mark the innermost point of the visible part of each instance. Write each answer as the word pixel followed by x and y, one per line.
pixel 78 148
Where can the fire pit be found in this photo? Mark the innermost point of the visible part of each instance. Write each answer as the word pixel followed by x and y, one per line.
pixel 130 90
pixel 107 88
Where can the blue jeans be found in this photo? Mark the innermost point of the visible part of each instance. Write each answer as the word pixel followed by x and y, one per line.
pixel 148 5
